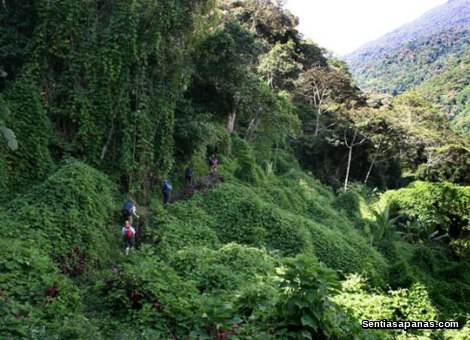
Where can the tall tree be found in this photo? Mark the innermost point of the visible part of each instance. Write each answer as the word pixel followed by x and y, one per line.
pixel 279 67
pixel 223 62
pixel 350 142
pixel 267 20
pixel 424 129
pixel 266 112
pixel 320 86
pixel 384 137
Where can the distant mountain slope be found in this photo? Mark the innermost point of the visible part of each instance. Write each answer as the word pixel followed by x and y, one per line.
pixel 415 52
pixel 450 91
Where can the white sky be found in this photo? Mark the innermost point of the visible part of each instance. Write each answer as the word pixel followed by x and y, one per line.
pixel 342 26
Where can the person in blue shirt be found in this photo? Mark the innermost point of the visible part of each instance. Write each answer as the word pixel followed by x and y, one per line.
pixel 129 210
pixel 128 234
pixel 166 191
pixel 189 176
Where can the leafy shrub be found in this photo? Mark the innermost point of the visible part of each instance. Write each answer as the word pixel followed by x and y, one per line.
pixel 67 215
pixel 185 225
pixel 298 193
pixel 424 259
pixel 305 309
pixel 257 300
pixel 445 280
pixel 240 216
pixel 402 304
pixel 32 288
pixel 228 268
pixel 57 228
pixel 461 248
pixel 433 203
pixel 285 162
pixel 349 202
pixel 453 164
pixel 286 234
pixel 147 294
pixel 347 252
pixel 193 131
pixel 400 275
pixel 443 207
pixel 248 170
pixel 388 249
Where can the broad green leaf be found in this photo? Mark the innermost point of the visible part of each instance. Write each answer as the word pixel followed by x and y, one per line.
pixel 306 335
pixel 307 320
pixel 10 137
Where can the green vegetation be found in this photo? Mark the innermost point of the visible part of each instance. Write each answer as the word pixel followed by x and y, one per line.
pixel 296 236
pixel 450 91
pixel 429 55
pixel 54 235
pixel 413 53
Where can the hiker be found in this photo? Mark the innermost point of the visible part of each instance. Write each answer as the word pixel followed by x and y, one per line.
pixel 212 164
pixel 166 190
pixel 216 163
pixel 129 210
pixel 128 234
pixel 189 175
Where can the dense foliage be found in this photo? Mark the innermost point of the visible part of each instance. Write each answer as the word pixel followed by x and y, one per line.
pixel 54 234
pixel 102 100
pixel 431 53
pixel 415 52
pixel 450 91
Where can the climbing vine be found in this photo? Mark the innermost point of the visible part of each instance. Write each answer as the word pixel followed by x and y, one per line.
pixel 32 160
pixel 108 77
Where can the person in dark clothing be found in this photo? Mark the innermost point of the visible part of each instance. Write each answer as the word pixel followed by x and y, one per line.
pixel 189 175
pixel 211 161
pixel 129 210
pixel 216 163
pixel 166 191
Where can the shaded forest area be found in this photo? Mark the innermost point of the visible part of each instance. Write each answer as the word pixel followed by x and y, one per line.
pixel 330 206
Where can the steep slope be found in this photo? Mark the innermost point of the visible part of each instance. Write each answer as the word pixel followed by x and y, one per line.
pixel 216 263
pixel 415 52
pixel 450 91
pixel 115 96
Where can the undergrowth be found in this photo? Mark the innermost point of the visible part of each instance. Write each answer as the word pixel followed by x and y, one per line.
pixel 234 260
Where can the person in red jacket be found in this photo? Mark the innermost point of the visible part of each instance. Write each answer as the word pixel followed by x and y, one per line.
pixel 128 234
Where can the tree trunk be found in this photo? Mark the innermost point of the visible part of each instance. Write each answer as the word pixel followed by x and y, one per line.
pixel 370 169
pixel 347 171
pixel 270 81
pixel 231 122
pixel 317 124
pixel 109 138
pixel 248 130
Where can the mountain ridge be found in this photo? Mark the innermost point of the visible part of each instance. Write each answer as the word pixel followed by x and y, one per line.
pixel 414 52
pixel 426 19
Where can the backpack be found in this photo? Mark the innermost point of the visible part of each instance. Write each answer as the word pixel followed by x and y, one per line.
pixel 166 188
pixel 126 213
pixel 128 206
pixel 128 233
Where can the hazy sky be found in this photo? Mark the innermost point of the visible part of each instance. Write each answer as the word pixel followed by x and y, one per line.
pixel 343 25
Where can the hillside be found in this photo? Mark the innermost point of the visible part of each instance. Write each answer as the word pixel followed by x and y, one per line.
pixel 326 208
pixel 415 52
pixel 216 264
pixel 450 91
